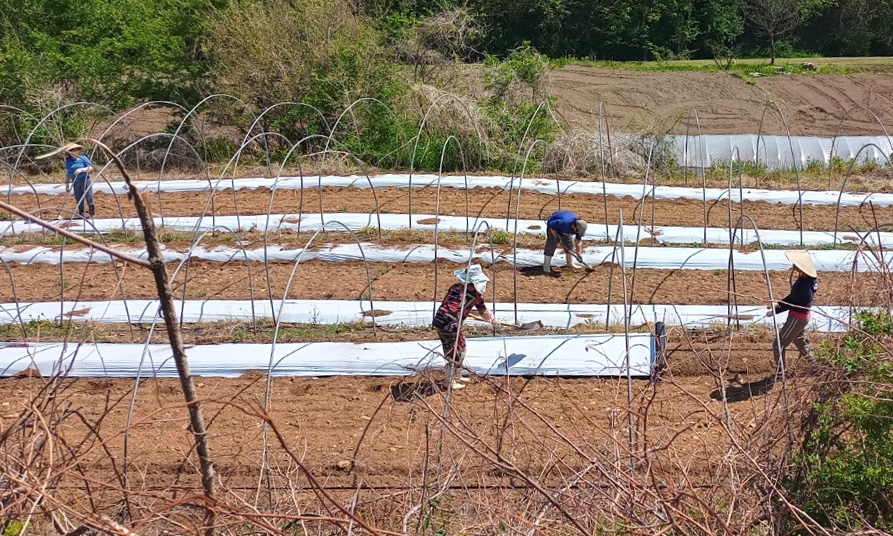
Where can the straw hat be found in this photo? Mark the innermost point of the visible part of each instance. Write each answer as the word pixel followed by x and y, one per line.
pixel 67 148
pixel 803 261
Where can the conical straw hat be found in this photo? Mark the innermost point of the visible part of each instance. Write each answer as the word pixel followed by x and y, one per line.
pixel 63 149
pixel 803 261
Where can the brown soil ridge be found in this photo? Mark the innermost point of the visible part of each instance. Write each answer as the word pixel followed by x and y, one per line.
pixel 636 101
pixel 416 282
pixel 488 202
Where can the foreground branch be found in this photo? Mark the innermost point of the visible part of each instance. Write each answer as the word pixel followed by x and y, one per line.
pixel 72 236
pixel 165 295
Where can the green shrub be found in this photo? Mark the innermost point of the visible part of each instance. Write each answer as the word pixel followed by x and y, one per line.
pixel 844 476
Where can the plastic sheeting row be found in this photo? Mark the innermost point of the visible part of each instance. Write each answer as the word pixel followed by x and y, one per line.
pixel 777 152
pixel 403 314
pixel 577 355
pixel 659 258
pixel 354 222
pixel 533 184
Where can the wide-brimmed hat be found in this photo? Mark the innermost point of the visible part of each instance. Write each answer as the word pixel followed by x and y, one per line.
pixel 67 148
pixel 581 227
pixel 474 274
pixel 803 261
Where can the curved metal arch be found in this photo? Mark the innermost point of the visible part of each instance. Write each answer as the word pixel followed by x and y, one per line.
pixel 51 114
pixel 632 289
pixel 601 154
pixel 418 137
pixel 61 264
pixel 539 107
pixel 46 117
pixel 437 215
pixel 700 167
pixel 781 363
pixel 187 262
pixel 135 109
pixel 132 145
pixel 361 100
pixel 846 179
pixel 515 235
pixel 278 323
pixel 363 169
pixel 234 161
pixel 15 299
pixel 15 111
pixel 260 116
pixel 12 172
pixel 183 121
pixel 440 176
pixel 603 117
pixel 284 103
pixel 732 282
pixel 773 104
pixel 837 133
pixel 288 155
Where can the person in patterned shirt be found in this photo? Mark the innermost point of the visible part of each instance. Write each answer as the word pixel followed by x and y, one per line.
pixel 460 299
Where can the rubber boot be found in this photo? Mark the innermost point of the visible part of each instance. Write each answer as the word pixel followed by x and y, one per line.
pixel 452 377
pixel 92 211
pixel 570 261
pixel 547 264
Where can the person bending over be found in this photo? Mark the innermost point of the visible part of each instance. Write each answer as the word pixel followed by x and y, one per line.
pixel 565 228
pixel 460 299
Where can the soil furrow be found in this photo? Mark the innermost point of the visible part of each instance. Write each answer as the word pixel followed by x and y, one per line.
pixel 414 281
pixel 489 202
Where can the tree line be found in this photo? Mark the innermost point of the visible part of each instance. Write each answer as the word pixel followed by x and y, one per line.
pixel 179 49
pixel 641 30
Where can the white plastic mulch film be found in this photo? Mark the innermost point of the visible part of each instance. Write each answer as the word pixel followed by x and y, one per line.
pixel 777 152
pixel 556 355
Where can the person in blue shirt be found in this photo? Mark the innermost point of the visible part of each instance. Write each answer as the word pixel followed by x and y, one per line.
pixel 77 172
pixel 565 228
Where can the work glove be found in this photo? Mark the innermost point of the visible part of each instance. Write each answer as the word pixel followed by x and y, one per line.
pixel 770 312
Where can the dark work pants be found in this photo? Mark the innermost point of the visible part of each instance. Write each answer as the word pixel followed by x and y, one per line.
pixel 83 195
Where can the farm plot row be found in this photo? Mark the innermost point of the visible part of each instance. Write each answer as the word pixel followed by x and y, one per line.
pixel 479 202
pixel 416 281
pixel 373 430
pixel 365 432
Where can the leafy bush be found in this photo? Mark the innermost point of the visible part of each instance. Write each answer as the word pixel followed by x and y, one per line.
pixel 844 476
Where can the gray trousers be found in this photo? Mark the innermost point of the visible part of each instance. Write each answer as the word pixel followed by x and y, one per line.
pixel 567 240
pixel 83 194
pixel 792 332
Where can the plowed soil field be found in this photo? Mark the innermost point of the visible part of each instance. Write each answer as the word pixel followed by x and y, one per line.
pixel 716 408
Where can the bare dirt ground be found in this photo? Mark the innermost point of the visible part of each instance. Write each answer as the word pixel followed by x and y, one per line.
pixel 489 202
pixel 385 445
pixel 416 281
pixel 638 100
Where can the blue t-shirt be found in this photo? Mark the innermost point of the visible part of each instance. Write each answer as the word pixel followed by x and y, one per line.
pixel 73 165
pixel 561 221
